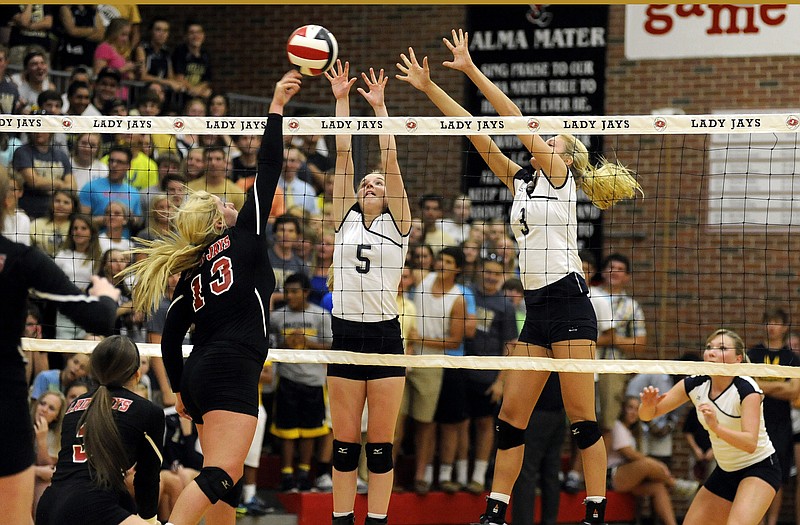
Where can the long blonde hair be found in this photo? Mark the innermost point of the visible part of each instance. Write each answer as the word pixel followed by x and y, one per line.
pixel 196 222
pixel 605 184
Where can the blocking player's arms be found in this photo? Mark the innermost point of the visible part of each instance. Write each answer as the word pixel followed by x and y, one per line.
pixel 418 75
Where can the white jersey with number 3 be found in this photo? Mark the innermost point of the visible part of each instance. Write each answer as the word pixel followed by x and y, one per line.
pixel 545 225
pixel 367 264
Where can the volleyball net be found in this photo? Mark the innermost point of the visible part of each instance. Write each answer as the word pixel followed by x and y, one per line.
pixel 711 244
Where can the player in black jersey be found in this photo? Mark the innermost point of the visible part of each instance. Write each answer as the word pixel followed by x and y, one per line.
pixel 24 268
pixel 224 290
pixel 107 435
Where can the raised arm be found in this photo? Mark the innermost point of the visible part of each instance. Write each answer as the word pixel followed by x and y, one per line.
pixel 343 195
pixel 395 188
pixel 419 76
pixel 654 404
pixel 553 165
pixel 255 211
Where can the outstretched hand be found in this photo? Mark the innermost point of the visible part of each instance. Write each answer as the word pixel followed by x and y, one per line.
pixel 460 49
pixel 415 74
pixel 287 87
pixel 339 79
pixel 376 86
pixel 650 397
pixel 103 287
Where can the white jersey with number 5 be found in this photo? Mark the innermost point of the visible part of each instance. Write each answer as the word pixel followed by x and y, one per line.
pixel 545 226
pixel 367 264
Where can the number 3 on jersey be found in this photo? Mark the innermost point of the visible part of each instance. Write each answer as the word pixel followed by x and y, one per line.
pixel 221 282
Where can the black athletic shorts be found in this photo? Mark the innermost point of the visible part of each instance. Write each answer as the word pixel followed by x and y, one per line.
pixel 299 410
pixel 452 406
pixel 16 439
pixel 781 436
pixel 82 503
pixel 221 377
pixel 725 484
pixel 382 337
pixel 561 311
pixel 479 403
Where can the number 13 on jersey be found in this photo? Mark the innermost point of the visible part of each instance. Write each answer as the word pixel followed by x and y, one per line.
pixel 221 282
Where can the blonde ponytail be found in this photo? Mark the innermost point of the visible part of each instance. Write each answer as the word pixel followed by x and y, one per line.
pixel 196 222
pixel 606 184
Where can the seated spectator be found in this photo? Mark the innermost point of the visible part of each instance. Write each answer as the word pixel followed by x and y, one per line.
pixel 115 232
pixel 323 259
pixel 47 414
pixel 153 57
pixel 174 185
pixel 421 260
pixel 17 225
pixel 31 26
pixel 77 388
pixel 33 79
pixel 78 74
pixel 35 362
pixel 115 51
pixel 81 29
pixel 9 91
pixel 86 165
pixel 96 195
pixel 431 209
pixel 79 258
pixel 116 107
pixel 300 402
pixel 149 105
pixel 215 178
pixel 9 144
pixel 158 216
pixel 79 100
pixel 143 172
pixel 129 12
pixel 218 107
pixel 296 191
pixel 633 472
pixel 194 107
pixel 106 85
pixel 45 168
pixel 284 262
pixel 76 367
pixel 316 159
pixel 193 164
pixel 50 101
pixel 128 322
pixel 192 63
pixel 458 225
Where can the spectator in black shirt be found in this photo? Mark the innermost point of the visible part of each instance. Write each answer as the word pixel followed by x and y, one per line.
pixel 192 63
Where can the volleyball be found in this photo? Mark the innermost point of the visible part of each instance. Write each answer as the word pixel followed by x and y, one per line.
pixel 313 49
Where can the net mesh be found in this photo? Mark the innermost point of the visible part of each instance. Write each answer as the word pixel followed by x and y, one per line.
pixel 711 243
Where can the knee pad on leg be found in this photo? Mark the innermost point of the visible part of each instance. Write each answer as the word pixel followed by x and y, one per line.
pixel 345 455
pixel 214 482
pixel 586 433
pixel 509 436
pixel 379 457
pixel 234 496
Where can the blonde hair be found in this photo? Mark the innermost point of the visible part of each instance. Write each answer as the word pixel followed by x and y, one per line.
pixel 196 222
pixel 606 184
pixel 738 342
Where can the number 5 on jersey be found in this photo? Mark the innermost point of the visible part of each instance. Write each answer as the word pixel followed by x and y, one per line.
pixel 221 282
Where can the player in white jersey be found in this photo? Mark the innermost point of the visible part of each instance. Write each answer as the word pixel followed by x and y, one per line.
pixel 371 246
pixel 560 321
pixel 747 475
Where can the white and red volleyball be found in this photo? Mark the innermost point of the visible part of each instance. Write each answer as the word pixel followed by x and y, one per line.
pixel 313 49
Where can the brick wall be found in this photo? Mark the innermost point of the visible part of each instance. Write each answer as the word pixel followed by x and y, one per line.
pixel 688 278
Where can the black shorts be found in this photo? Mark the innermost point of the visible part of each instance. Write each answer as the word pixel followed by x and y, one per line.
pixel 82 503
pixel 479 403
pixel 560 311
pixel 299 410
pixel 781 437
pixel 221 377
pixel 16 440
pixel 382 337
pixel 725 484
pixel 452 405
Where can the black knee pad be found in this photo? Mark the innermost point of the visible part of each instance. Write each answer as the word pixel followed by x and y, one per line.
pixel 345 455
pixel 509 436
pixel 214 482
pixel 585 433
pixel 234 496
pixel 379 457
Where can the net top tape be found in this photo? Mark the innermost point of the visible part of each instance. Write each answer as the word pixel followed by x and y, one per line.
pixel 409 126
pixel 603 366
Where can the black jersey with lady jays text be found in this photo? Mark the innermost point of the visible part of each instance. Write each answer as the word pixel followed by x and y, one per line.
pixel 141 428
pixel 227 295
